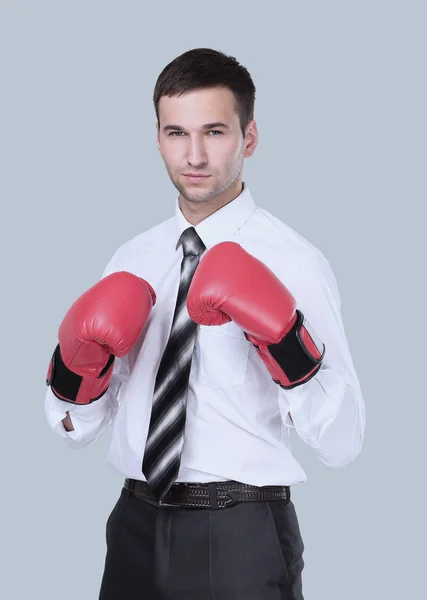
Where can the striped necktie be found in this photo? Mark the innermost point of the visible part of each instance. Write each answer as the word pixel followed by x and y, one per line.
pixel 165 438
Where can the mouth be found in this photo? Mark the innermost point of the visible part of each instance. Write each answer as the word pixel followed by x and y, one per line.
pixel 194 177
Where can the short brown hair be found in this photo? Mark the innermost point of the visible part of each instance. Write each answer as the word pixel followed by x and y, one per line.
pixel 202 68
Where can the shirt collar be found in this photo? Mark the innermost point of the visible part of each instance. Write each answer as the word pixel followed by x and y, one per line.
pixel 223 223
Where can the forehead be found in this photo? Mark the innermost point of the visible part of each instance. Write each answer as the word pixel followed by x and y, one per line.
pixel 197 107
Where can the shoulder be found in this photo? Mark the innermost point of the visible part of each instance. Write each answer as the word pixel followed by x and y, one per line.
pixel 277 242
pixel 151 241
pixel 291 256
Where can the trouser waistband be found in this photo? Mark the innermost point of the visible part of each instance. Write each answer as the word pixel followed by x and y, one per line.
pixel 213 495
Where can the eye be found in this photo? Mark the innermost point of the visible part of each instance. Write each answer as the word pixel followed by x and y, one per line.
pixel 181 133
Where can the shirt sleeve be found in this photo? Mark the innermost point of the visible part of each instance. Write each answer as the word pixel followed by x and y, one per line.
pixel 327 412
pixel 92 420
pixel 89 421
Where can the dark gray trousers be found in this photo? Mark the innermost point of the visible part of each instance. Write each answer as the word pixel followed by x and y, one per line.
pixel 249 551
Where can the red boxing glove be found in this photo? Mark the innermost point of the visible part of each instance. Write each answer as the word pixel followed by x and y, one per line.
pixel 232 285
pixel 105 322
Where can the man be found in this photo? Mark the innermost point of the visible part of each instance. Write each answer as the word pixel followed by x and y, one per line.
pixel 208 340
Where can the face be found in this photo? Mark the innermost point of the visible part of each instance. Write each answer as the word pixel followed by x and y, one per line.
pixel 201 143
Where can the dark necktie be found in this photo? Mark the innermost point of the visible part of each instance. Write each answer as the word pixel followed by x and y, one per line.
pixel 165 438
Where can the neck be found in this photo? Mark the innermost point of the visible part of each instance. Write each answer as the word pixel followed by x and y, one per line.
pixel 196 212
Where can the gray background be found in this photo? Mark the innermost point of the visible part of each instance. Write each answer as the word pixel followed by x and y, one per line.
pixel 341 97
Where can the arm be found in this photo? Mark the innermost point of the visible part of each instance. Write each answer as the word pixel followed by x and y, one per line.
pixel 67 423
pixel 297 330
pixel 91 364
pixel 328 411
pixel 88 422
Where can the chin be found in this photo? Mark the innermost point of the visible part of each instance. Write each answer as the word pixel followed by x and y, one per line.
pixel 191 197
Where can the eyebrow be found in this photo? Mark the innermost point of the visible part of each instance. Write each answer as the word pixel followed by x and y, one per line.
pixel 206 126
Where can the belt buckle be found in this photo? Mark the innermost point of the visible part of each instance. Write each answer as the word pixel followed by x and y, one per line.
pixel 233 499
pixel 162 502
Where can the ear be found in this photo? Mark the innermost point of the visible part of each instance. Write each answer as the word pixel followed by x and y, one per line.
pixel 157 135
pixel 251 138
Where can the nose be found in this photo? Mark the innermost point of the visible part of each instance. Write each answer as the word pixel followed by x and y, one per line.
pixel 196 155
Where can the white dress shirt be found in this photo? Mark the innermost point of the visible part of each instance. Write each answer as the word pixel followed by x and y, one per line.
pixel 238 424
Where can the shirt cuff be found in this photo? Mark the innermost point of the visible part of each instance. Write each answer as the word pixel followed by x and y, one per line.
pixel 56 411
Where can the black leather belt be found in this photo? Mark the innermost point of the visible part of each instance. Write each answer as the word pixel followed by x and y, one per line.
pixel 214 495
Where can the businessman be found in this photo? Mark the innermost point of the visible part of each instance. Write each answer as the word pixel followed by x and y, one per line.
pixel 209 339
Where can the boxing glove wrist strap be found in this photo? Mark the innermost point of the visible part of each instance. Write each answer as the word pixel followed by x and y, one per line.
pixel 71 387
pixel 296 358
